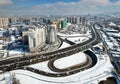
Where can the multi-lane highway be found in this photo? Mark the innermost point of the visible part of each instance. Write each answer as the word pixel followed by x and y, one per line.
pixel 91 61
pixel 21 62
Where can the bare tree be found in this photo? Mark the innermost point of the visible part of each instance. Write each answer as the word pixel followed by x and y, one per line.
pixel 15 80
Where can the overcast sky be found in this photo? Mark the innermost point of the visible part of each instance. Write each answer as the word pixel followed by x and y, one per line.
pixel 57 7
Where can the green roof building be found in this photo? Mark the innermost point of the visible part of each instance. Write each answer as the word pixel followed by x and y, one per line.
pixel 63 24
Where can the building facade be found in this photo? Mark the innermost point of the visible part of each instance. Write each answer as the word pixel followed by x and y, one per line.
pixel 4 22
pixel 63 24
pixel 36 37
pixel 51 34
pixel 76 19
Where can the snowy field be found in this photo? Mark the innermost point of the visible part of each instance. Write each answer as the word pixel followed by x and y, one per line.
pixel 13 53
pixel 70 60
pixel 99 72
pixel 69 35
pixel 114 34
pixel 43 66
pixel 64 45
pixel 16 51
pixel 78 39
pixel 74 34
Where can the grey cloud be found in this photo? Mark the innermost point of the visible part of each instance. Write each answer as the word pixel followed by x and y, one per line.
pixel 5 2
pixel 64 8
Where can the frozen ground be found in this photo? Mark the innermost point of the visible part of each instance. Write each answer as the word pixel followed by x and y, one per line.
pixel 78 39
pixel 42 66
pixel 64 45
pixel 70 60
pixel 114 34
pixel 16 51
pixel 13 53
pixel 77 34
pixel 99 72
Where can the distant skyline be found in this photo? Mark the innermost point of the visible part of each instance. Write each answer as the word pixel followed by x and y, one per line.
pixel 57 7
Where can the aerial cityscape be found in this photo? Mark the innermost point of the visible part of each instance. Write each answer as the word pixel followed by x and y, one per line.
pixel 59 42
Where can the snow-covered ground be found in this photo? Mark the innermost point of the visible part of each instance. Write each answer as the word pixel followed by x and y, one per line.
pixel 64 45
pixel 69 61
pixel 64 35
pixel 43 66
pixel 110 44
pixel 78 39
pixel 13 53
pixel 99 72
pixel 75 34
pixel 6 78
pixel 114 34
pixel 16 51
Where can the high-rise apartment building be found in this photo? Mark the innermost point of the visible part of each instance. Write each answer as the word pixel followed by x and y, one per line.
pixel 4 22
pixel 76 19
pixel 36 37
pixel 63 24
pixel 58 25
pixel 51 34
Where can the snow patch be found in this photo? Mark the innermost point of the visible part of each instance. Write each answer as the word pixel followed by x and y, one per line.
pixel 69 61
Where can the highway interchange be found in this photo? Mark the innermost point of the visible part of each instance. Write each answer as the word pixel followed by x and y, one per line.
pixel 22 62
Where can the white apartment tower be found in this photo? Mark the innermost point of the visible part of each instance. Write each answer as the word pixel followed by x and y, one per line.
pixel 36 37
